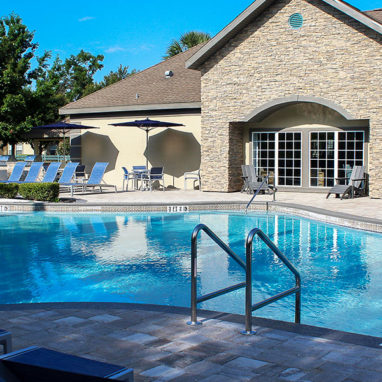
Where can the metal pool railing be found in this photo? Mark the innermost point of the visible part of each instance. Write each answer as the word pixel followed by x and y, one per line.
pixel 247 266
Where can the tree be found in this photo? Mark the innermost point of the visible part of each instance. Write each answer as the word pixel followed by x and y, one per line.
pixel 17 50
pixel 78 73
pixel 121 73
pixel 186 41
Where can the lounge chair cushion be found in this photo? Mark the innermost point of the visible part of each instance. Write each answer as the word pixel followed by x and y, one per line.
pixel 41 364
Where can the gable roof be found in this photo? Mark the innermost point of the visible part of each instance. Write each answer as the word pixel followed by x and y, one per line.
pixel 255 9
pixel 146 90
pixel 375 14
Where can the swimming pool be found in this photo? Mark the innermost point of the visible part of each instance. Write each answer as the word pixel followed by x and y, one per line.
pixel 145 258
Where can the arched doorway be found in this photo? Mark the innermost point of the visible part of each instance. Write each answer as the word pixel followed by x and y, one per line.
pixel 305 143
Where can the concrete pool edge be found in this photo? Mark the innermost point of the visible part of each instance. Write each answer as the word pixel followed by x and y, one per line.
pixel 319 214
pixel 324 334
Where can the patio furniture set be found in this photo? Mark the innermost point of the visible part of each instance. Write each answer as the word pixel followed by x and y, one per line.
pixel 354 185
pixel 143 178
pixel 65 180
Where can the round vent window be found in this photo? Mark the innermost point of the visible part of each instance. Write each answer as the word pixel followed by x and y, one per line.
pixel 296 21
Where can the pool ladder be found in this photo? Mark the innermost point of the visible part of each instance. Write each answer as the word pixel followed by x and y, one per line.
pixel 247 266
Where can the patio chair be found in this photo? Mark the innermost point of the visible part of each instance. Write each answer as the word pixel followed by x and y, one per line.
pixel 68 172
pixel 244 171
pixel 80 173
pixel 43 365
pixel 95 179
pixel 6 341
pixel 51 172
pixel 127 176
pixel 195 177
pixel 30 159
pixel 256 184
pixel 356 184
pixel 155 174
pixel 33 173
pixel 3 160
pixel 17 172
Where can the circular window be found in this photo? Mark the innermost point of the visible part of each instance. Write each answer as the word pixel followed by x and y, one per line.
pixel 296 21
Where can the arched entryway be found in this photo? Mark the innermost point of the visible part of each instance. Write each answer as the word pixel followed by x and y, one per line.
pixel 304 143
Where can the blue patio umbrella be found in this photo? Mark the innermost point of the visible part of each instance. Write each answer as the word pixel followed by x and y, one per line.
pixel 62 127
pixel 147 125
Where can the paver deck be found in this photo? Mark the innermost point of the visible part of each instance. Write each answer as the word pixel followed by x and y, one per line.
pixel 161 347
pixel 365 207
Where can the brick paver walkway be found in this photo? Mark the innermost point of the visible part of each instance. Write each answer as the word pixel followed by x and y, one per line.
pixel 161 347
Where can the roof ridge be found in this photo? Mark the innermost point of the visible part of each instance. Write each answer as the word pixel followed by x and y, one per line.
pixel 135 74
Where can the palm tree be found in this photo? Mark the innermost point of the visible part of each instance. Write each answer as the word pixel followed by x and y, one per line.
pixel 186 41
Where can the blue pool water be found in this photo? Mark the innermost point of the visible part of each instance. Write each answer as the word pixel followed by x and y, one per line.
pixel 145 258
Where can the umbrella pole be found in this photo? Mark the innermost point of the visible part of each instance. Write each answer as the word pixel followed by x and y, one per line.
pixel 147 145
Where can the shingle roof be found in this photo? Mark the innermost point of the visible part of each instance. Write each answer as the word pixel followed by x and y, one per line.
pixel 375 14
pixel 149 87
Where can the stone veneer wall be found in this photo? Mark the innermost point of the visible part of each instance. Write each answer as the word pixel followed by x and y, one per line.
pixel 332 56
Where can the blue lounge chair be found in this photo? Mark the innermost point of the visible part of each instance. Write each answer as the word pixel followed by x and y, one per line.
pixel 51 172
pixel 41 364
pixel 68 172
pixel 33 173
pixel 95 179
pixel 16 173
pixel 30 159
pixel 4 159
pixel 6 340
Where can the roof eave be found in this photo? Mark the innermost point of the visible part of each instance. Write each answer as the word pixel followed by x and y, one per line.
pixel 252 12
pixel 129 108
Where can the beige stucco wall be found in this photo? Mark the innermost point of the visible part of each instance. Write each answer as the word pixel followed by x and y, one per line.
pixel 332 56
pixel 177 149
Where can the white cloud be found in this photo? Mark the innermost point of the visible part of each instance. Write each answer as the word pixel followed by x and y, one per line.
pixel 114 49
pixel 86 18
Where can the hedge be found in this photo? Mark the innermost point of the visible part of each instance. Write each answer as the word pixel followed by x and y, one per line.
pixel 8 190
pixel 45 192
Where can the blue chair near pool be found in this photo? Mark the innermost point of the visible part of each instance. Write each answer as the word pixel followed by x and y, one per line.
pixel 4 159
pixel 95 179
pixel 17 172
pixel 51 172
pixel 41 364
pixel 68 172
pixel 33 173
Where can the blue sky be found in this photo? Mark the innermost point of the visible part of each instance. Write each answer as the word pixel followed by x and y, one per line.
pixel 133 33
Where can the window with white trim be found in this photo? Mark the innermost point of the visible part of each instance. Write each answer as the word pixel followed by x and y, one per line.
pixel 333 154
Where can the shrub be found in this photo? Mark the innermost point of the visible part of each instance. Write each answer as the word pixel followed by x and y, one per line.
pixel 8 190
pixel 46 192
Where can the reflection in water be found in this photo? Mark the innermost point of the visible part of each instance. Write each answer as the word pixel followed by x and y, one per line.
pixel 146 258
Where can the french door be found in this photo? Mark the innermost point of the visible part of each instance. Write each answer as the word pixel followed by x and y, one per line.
pixel 327 155
pixel 279 156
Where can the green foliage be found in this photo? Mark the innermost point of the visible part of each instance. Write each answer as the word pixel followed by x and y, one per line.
pixel 40 191
pixel 8 190
pixel 16 53
pixel 78 72
pixel 64 147
pixel 186 41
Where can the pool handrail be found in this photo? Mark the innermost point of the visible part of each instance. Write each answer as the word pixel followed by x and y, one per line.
pixel 194 254
pixel 247 266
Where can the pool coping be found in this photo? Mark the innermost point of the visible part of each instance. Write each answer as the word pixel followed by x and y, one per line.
pixel 315 213
pixel 325 334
